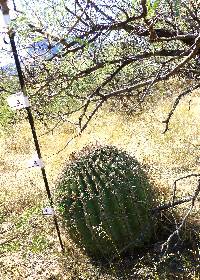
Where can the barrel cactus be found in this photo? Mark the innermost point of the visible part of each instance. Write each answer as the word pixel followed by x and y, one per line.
pixel 104 198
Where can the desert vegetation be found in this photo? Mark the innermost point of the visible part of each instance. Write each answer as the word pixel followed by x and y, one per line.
pixel 123 75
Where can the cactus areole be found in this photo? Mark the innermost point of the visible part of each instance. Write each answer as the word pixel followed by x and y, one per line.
pixel 104 198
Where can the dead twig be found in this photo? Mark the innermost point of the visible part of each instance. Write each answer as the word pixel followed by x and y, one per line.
pixel 176 102
pixel 166 244
pixel 171 204
pixel 8 240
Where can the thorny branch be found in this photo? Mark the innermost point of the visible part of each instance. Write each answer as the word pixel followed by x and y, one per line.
pixel 139 47
pixel 178 99
pixel 171 204
pixel 193 199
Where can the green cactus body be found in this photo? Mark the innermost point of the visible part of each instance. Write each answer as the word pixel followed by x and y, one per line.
pixel 104 197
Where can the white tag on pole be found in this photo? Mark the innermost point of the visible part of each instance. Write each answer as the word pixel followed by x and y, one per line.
pixel 48 211
pixel 35 162
pixel 18 101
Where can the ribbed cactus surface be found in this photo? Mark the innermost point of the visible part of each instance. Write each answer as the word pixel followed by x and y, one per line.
pixel 104 198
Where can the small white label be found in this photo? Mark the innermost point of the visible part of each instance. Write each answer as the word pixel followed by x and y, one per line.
pixel 18 101
pixel 48 211
pixel 35 162
pixel 6 19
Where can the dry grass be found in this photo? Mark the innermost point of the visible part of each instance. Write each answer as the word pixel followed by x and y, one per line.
pixel 30 250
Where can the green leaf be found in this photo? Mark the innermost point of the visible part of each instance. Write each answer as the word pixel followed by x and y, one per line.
pixel 177 7
pixel 152 6
pixel 155 4
pixel 38 39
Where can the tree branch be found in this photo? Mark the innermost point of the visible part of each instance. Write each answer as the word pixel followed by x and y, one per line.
pixel 165 246
pixel 178 99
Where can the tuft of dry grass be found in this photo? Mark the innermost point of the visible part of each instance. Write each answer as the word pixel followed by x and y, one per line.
pixel 30 250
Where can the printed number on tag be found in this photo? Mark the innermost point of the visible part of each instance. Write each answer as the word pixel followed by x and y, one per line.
pixel 48 211
pixel 18 101
pixel 35 162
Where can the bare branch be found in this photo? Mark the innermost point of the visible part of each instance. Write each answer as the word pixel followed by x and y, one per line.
pixel 79 18
pixel 184 93
pixel 171 204
pixel 100 11
pixel 195 49
pixel 165 246
pixel 179 179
